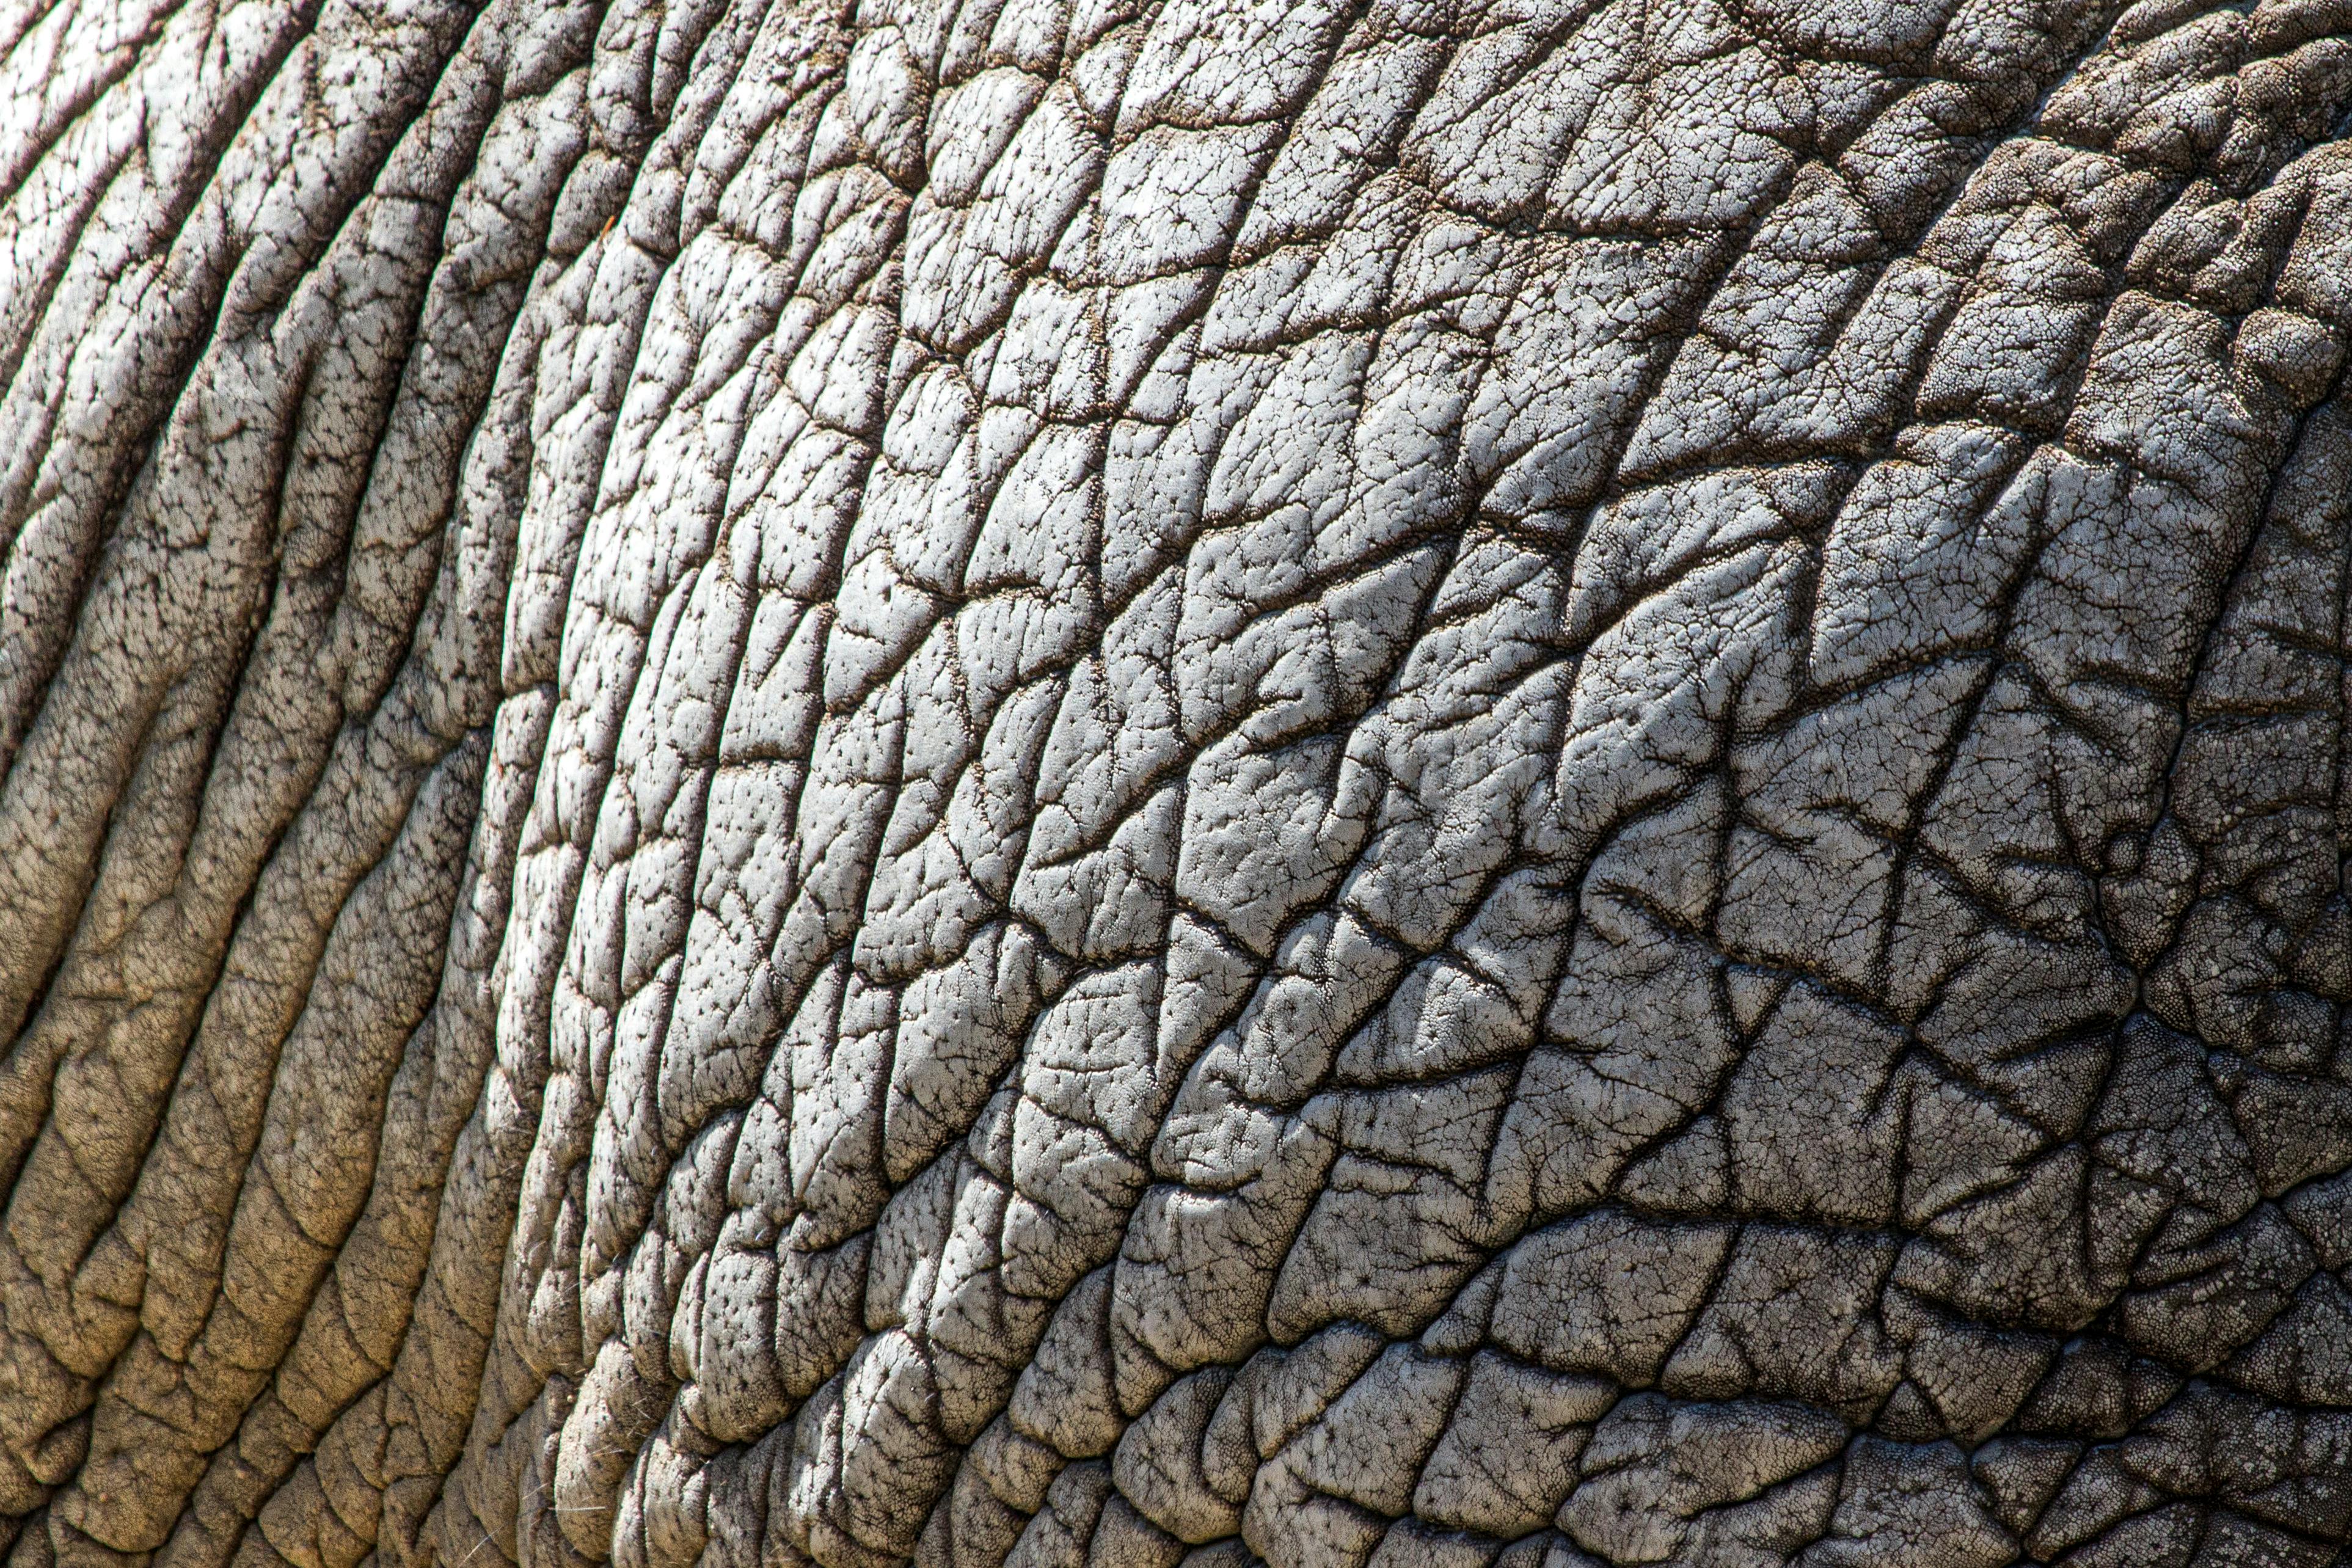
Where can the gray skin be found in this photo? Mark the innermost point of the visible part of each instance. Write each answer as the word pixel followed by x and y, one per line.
pixel 1433 783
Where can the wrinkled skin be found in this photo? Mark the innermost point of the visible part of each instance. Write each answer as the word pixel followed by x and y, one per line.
pixel 1553 781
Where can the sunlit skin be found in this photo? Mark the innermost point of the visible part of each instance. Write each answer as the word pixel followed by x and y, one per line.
pixel 1174 781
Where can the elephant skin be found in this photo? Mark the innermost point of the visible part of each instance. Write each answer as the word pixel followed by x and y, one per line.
pixel 1392 784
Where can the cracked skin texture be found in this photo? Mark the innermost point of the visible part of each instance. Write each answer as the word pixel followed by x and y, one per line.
pixel 1428 783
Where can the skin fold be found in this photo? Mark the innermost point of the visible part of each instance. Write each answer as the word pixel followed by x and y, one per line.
pixel 1049 783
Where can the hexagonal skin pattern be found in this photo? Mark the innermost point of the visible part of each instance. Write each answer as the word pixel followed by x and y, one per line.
pixel 1175 783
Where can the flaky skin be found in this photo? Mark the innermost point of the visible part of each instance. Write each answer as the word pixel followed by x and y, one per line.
pixel 1430 783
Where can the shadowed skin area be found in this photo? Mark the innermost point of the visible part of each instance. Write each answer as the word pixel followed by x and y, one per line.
pixel 1051 783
